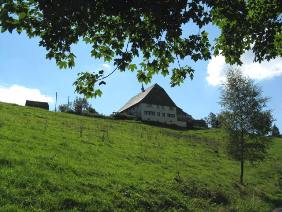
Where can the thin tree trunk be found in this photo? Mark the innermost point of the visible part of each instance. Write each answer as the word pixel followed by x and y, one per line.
pixel 242 172
pixel 242 159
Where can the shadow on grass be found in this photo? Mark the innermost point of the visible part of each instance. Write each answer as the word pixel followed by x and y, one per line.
pixel 276 202
pixel 5 163
pixel 69 204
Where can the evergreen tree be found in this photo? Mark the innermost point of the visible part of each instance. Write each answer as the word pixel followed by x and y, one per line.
pixel 275 131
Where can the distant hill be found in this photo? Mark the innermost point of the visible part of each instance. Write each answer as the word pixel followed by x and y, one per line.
pixel 55 161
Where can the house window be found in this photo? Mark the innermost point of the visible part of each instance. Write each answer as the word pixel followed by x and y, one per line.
pixel 170 115
pixel 149 113
pixel 171 108
pixel 163 114
pixel 158 113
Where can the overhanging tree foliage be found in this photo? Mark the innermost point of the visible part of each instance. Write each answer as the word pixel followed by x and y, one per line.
pixel 245 119
pixel 121 30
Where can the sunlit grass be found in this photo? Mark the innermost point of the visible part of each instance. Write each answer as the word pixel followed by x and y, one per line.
pixel 54 161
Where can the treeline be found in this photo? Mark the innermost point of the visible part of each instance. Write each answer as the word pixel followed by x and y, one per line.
pixel 79 106
pixel 217 121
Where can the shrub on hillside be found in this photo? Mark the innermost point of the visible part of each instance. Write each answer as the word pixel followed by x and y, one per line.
pixel 64 108
pixel 200 123
pixel 120 116
pixel 80 106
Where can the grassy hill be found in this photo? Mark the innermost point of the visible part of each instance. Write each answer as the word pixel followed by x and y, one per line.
pixel 53 161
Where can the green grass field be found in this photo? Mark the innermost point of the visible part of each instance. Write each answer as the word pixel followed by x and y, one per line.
pixel 53 161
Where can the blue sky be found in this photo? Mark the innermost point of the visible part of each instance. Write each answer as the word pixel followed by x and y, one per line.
pixel 25 73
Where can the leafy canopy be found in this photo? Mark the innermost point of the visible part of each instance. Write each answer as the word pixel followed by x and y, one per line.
pixel 121 30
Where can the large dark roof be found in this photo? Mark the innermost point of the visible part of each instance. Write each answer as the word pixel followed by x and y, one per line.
pixel 153 95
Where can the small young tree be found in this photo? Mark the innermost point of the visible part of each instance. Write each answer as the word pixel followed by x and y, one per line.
pixel 275 131
pixel 245 120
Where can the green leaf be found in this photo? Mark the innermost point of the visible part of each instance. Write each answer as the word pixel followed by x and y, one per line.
pixel 22 15
pixel 132 67
pixel 62 64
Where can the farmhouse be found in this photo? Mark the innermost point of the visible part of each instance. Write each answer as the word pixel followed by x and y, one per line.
pixel 43 105
pixel 154 104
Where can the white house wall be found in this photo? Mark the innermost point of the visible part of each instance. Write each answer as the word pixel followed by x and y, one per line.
pixel 160 114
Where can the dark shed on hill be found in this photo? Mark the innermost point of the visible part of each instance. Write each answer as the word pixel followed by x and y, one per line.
pixel 43 105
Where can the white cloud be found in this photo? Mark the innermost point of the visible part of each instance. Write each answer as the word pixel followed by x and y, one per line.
pixel 106 66
pixel 257 71
pixel 216 68
pixel 18 94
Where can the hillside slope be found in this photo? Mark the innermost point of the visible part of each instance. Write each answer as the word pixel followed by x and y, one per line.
pixel 53 161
